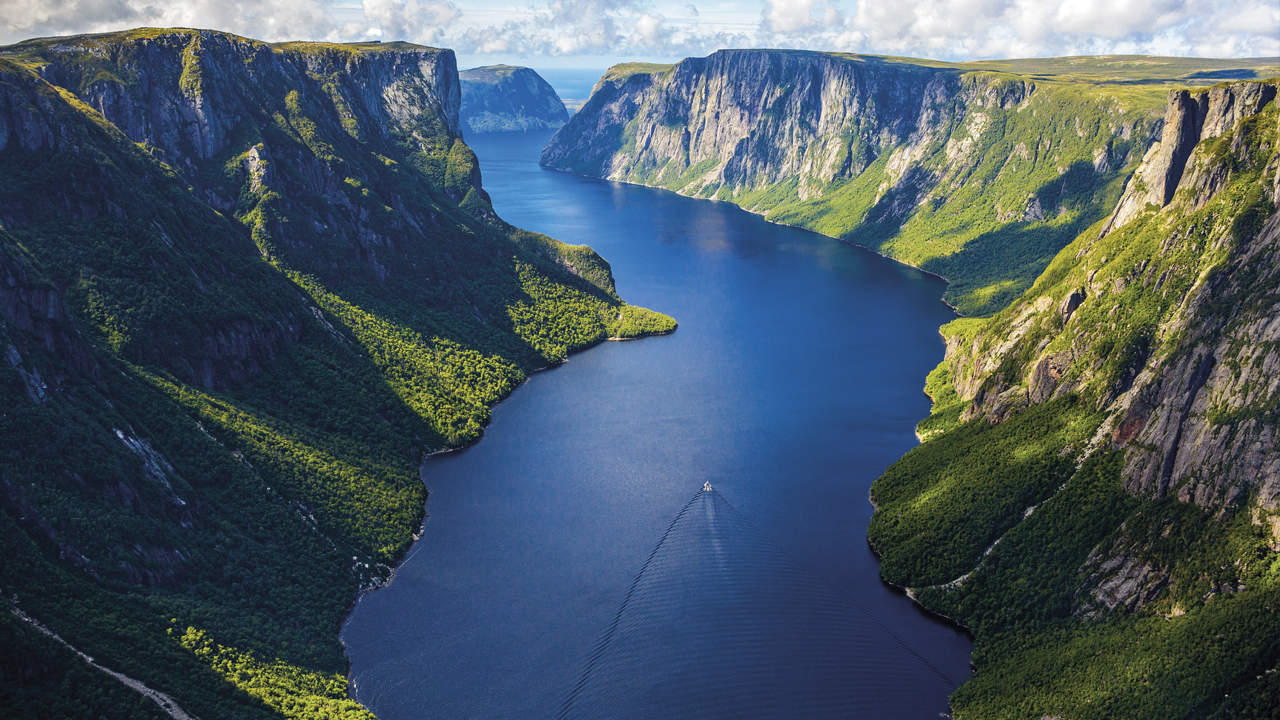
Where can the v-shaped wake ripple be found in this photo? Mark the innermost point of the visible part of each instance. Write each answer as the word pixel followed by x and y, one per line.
pixel 721 623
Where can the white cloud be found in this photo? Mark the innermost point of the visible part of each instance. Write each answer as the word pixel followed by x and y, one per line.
pixel 414 20
pixel 961 29
pixel 277 20
pixel 791 16
pixel 947 29
pixel 618 28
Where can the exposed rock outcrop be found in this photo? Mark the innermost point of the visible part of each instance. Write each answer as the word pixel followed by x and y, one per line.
pixel 1168 322
pixel 1123 582
pixel 243 288
pixel 1210 431
pixel 938 166
pixel 1192 394
pixel 34 308
pixel 1189 120
pixel 742 119
pixel 187 93
pixel 214 351
pixel 1144 536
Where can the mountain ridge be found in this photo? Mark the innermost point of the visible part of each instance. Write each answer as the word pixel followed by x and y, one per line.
pixel 247 288
pixel 943 166
pixel 244 287
pixel 1148 342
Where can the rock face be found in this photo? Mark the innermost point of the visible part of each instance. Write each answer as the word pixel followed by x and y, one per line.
pixel 214 350
pixel 191 94
pixel 503 98
pixel 749 118
pixel 1190 118
pixel 1154 339
pixel 243 288
pixel 34 307
pixel 1192 401
pixel 179 89
pixel 1167 321
pixel 921 161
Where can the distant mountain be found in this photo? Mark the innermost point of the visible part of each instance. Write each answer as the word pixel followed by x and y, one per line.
pixel 505 98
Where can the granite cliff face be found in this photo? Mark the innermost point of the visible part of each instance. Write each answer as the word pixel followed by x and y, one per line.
pixel 939 166
pixel 503 98
pixel 243 289
pixel 1189 119
pixel 201 99
pixel 185 91
pixel 747 119
pixel 210 346
pixel 1191 401
pixel 1145 531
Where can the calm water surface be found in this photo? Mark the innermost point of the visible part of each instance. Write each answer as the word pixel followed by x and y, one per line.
pixel 793 381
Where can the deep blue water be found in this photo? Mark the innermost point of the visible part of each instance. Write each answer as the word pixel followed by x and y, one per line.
pixel 793 381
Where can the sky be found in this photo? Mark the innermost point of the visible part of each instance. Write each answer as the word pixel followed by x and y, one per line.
pixel 597 33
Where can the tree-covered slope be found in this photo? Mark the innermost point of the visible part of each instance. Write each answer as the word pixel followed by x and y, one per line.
pixel 1098 495
pixel 243 289
pixel 980 172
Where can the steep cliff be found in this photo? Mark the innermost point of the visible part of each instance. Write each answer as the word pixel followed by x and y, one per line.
pixel 503 98
pixel 979 172
pixel 1096 495
pixel 1102 469
pixel 243 289
pixel 1164 318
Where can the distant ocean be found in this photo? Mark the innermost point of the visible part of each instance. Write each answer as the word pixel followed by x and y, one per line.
pixel 573 85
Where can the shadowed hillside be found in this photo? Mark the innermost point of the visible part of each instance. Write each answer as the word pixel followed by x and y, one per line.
pixel 243 289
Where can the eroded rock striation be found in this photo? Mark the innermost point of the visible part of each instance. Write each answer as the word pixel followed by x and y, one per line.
pixel 936 165
pixel 1099 486
pixel 1143 532
pixel 1190 118
pixel 1191 398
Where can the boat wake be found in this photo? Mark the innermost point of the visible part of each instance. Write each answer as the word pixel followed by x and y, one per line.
pixel 720 622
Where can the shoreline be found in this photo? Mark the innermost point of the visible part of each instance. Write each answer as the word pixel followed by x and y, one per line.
pixel 900 589
pixel 427 455
pixel 910 593
pixel 761 215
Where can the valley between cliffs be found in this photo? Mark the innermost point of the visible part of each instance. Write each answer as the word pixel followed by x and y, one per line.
pixel 246 287
pixel 1096 490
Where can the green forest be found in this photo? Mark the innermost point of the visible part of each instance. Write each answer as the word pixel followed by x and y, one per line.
pixel 246 288
pixel 227 354
pixel 1005 527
